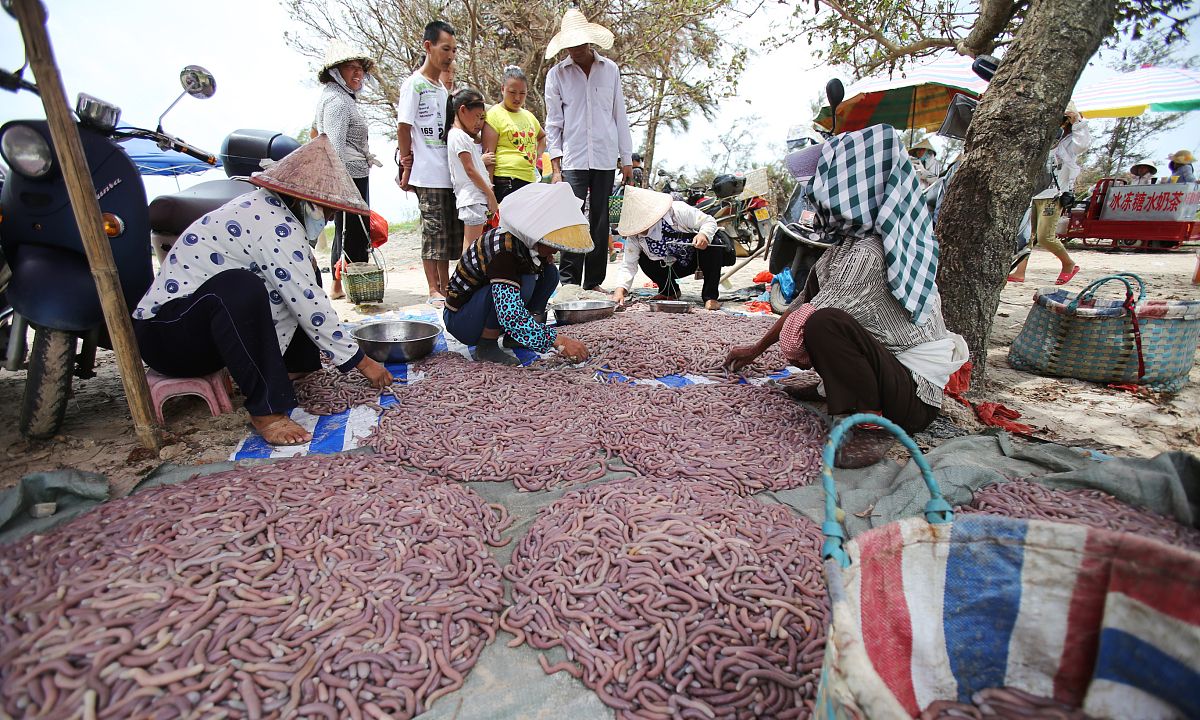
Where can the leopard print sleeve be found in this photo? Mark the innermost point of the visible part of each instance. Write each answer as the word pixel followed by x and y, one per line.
pixel 516 320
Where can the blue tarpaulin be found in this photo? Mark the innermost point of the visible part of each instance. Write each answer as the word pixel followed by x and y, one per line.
pixel 151 160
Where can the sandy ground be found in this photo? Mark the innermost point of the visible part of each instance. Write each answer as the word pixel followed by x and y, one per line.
pixel 98 435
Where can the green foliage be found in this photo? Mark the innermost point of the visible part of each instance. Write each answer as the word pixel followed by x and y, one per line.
pixel 676 56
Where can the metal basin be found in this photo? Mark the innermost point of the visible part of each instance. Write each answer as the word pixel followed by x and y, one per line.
pixel 581 311
pixel 392 341
pixel 671 306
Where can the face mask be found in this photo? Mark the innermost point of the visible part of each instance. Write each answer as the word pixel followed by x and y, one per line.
pixel 314 221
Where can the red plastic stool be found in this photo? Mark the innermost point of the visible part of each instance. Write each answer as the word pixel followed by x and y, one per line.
pixel 214 388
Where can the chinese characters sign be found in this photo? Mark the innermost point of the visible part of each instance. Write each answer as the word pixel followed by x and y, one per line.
pixel 1172 202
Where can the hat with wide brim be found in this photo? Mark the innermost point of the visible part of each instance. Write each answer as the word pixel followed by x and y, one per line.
pixel 925 144
pixel 315 173
pixel 338 52
pixel 549 214
pixel 575 30
pixel 1183 157
pixel 1144 163
pixel 640 209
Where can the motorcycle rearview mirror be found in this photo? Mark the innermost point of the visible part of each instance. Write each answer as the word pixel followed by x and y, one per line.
pixel 197 82
pixel 985 66
pixel 836 93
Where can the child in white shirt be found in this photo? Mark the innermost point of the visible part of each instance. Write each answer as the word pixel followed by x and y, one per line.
pixel 473 193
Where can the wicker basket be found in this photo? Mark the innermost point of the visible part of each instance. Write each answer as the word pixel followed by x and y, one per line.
pixel 365 281
pixel 615 201
pixel 1148 342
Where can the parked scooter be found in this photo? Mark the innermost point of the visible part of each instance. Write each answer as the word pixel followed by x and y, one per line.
pixel 798 243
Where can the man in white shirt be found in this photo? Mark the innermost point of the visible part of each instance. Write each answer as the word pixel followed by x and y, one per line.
pixel 586 128
pixel 424 163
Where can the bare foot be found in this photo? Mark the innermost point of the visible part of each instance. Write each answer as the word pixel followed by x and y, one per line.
pixel 712 305
pixel 336 292
pixel 279 429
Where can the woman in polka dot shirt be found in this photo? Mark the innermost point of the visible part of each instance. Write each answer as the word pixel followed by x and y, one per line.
pixel 239 290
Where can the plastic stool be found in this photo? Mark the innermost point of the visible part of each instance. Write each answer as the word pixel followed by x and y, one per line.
pixel 214 388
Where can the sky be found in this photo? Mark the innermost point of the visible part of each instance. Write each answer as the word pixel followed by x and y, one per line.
pixel 133 57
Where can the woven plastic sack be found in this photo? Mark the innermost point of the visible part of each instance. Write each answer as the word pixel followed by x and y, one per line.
pixel 938 608
pixel 1135 340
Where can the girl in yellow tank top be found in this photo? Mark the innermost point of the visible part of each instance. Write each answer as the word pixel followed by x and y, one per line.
pixel 514 134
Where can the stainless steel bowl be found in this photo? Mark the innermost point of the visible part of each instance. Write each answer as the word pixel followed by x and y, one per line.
pixel 671 306
pixel 392 341
pixel 581 311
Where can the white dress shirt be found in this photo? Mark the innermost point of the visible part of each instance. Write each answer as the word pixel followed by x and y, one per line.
pixel 682 217
pixel 586 124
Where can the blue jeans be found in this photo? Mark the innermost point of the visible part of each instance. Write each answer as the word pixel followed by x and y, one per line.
pixel 468 322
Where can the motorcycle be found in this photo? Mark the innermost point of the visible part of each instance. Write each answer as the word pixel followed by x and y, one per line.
pixel 745 219
pixel 51 288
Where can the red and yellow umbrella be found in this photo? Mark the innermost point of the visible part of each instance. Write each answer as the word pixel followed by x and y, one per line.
pixel 918 98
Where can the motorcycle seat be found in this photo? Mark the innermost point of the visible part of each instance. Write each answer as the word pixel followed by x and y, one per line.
pixel 171 214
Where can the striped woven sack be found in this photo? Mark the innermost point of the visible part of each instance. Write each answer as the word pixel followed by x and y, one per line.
pixel 939 608
pixel 1135 340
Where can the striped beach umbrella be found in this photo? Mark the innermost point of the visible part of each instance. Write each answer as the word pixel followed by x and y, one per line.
pixel 915 98
pixel 1156 89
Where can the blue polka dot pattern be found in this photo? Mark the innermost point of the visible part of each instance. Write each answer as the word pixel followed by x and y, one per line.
pixel 298 256
pixel 138 313
pixel 276 298
pixel 245 204
pixel 282 230
pixel 155 308
pixel 171 286
pixel 337 335
pixel 283 274
pixel 233 228
pixel 217 259
pixel 318 319
pixel 309 294
pixel 204 220
pixel 172 259
pixel 272 200
pixel 191 239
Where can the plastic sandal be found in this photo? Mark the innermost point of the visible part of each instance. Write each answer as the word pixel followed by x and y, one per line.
pixel 1013 279
pixel 1065 277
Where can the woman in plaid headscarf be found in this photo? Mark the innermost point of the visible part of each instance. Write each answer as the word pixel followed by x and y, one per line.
pixel 869 319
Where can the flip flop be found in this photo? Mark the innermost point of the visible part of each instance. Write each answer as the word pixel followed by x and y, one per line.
pixel 1065 277
pixel 266 432
pixel 1013 279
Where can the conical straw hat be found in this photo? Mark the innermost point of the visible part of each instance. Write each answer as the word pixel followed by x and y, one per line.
pixel 640 209
pixel 548 214
pixel 338 52
pixel 575 30
pixel 314 173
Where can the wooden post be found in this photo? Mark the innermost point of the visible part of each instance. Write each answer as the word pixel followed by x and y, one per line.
pixel 69 150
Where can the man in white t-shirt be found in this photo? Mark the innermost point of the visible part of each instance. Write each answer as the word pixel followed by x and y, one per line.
pixel 586 130
pixel 424 167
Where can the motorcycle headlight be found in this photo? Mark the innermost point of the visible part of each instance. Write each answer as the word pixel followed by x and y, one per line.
pixel 26 151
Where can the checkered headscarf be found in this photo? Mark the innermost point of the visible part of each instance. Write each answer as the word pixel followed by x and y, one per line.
pixel 865 184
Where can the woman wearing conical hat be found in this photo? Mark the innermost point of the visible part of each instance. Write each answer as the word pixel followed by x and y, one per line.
pixel 342 75
pixel 505 278
pixel 239 290
pixel 668 240
pixel 1181 167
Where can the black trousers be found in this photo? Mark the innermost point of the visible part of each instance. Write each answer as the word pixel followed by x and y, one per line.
pixel 860 374
pixel 505 186
pixel 351 231
pixel 666 277
pixel 227 323
pixel 589 269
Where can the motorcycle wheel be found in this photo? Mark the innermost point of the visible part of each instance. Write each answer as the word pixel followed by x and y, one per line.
pixel 779 304
pixel 47 383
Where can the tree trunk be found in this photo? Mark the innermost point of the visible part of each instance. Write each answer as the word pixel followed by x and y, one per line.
pixel 660 88
pixel 1007 145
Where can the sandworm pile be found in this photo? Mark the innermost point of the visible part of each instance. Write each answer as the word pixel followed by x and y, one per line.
pixel 651 344
pixel 1002 704
pixel 1094 508
pixel 335 587
pixel 328 391
pixel 674 600
pixel 478 421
